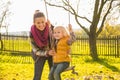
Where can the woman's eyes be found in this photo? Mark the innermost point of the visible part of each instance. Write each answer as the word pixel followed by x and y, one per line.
pixel 40 22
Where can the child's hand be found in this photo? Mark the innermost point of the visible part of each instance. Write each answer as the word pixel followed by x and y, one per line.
pixel 51 52
pixel 70 28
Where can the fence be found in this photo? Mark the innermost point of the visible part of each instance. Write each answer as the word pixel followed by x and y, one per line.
pixel 109 46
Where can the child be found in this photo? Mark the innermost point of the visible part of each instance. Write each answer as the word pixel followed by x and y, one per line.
pixel 61 57
pixel 40 37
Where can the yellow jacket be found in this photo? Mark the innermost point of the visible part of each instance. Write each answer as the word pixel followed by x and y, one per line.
pixel 63 51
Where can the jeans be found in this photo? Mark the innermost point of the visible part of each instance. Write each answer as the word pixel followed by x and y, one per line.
pixel 57 69
pixel 39 64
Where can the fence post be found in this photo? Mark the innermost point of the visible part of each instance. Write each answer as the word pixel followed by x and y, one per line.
pixel 118 45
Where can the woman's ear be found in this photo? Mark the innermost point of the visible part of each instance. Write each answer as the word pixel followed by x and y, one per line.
pixel 48 23
pixel 33 23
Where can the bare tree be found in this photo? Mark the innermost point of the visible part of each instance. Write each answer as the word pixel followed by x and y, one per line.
pixel 4 12
pixel 101 8
pixel 115 13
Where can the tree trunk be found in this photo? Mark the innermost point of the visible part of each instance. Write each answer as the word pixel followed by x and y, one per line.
pixel 1 44
pixel 93 47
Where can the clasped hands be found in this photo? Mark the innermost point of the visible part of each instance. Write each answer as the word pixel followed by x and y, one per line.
pixel 51 52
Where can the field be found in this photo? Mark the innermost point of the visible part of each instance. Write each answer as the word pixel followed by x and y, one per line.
pixel 15 65
pixel 19 67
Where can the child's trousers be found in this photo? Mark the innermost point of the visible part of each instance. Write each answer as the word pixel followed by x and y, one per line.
pixel 57 69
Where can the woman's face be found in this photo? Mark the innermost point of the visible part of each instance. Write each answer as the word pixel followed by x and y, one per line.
pixel 40 23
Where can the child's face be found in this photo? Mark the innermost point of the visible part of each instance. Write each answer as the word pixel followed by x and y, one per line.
pixel 58 34
pixel 40 23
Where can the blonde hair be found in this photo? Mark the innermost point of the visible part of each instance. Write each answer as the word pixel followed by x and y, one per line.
pixel 65 32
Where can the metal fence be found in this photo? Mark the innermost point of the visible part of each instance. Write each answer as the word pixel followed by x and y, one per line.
pixel 107 46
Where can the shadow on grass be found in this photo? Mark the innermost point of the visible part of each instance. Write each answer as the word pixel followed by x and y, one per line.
pixel 21 54
pixel 105 63
pixel 13 57
pixel 18 53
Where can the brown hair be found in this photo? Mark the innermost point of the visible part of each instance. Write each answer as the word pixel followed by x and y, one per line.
pixel 37 14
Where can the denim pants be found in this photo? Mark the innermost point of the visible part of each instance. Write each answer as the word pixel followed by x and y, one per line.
pixel 38 66
pixel 57 69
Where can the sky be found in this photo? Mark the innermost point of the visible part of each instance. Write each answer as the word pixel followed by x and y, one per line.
pixel 23 10
pixel 22 14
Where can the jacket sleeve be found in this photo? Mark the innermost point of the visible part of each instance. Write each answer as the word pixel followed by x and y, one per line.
pixel 36 50
pixel 71 39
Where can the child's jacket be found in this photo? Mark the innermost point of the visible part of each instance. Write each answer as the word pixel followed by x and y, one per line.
pixel 62 51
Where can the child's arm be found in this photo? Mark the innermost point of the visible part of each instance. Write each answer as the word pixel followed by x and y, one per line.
pixel 72 35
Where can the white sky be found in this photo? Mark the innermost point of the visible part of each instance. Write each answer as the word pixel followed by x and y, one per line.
pixel 23 14
pixel 23 10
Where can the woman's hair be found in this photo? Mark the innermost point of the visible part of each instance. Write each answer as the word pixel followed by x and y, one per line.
pixel 37 14
pixel 64 31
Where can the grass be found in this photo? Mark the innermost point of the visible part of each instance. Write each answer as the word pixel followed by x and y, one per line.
pixel 20 67
pixel 17 45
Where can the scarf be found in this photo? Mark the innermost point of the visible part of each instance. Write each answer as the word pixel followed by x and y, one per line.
pixel 40 39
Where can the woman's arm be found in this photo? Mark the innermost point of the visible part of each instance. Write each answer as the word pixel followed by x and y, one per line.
pixel 36 49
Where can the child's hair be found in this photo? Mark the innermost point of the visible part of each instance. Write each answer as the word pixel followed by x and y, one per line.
pixel 64 31
pixel 38 14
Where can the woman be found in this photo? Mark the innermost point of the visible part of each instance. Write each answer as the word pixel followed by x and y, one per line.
pixel 41 37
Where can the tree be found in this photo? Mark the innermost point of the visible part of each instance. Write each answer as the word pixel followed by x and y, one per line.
pixel 111 26
pixel 115 13
pixel 4 12
pixel 110 30
pixel 99 14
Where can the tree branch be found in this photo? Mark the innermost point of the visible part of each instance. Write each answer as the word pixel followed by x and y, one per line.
pixel 100 10
pixel 72 11
pixel 95 11
pixel 104 18
pixel 68 10
pixel 2 19
pixel 83 27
